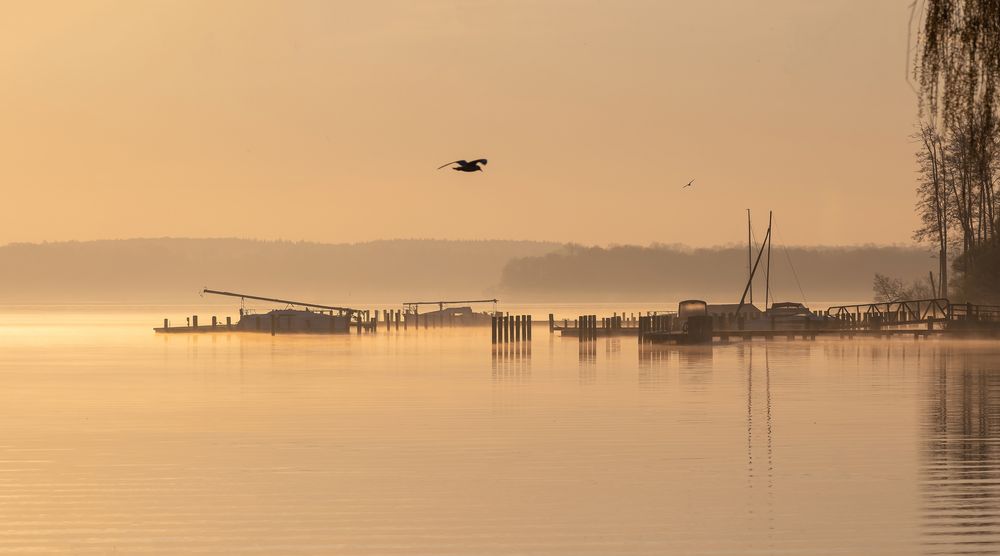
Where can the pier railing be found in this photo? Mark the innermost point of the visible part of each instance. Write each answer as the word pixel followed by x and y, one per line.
pixel 914 311
pixel 975 313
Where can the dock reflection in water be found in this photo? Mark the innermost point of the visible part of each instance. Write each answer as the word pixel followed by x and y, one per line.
pixel 961 468
pixel 429 442
pixel 511 361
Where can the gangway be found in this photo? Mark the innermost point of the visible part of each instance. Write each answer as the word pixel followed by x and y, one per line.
pixel 915 312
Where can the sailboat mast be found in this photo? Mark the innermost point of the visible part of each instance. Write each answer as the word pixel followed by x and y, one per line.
pixel 760 253
pixel 750 255
pixel 767 280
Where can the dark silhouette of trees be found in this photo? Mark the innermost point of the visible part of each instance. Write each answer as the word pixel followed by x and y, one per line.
pixel 671 273
pixel 887 288
pixel 958 71
pixel 932 200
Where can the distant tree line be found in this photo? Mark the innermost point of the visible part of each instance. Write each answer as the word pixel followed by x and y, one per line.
pixel 958 70
pixel 670 273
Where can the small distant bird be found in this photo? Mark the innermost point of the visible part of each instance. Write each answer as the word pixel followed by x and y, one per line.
pixel 466 166
pixel 689 184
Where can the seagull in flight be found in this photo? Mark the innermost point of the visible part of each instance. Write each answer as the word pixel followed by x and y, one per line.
pixel 688 184
pixel 466 166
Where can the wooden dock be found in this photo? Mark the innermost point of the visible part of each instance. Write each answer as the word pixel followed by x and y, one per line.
pixel 201 329
pixel 912 318
pixel 917 319
pixel 724 336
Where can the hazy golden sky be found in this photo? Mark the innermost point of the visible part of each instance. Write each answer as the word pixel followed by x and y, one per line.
pixel 325 120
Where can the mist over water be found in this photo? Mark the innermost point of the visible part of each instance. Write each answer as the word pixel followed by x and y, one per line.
pixel 432 442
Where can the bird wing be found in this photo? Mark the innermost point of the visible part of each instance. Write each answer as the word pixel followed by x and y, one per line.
pixel 479 161
pixel 460 162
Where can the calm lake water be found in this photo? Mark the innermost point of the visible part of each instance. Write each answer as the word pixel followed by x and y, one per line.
pixel 113 439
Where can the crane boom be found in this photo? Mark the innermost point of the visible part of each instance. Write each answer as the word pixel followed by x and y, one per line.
pixel 300 303
pixel 449 302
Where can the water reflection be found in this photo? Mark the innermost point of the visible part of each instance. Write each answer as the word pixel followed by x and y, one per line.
pixel 654 365
pixel 396 444
pixel 694 364
pixel 961 456
pixel 511 361
pixel 588 361
pixel 760 433
pixel 612 346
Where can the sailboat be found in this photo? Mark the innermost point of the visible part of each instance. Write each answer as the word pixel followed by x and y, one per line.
pixel 783 315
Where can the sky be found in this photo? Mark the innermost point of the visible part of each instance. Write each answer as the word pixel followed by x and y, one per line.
pixel 326 120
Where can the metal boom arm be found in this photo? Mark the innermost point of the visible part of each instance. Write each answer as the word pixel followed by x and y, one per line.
pixel 300 303
pixel 449 302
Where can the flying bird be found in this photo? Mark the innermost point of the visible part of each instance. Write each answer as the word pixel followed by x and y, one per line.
pixel 688 184
pixel 466 166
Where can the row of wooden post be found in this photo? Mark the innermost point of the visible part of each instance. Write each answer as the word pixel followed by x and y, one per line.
pixel 587 327
pixel 511 328
pixel 654 323
pixel 194 322
pixel 612 323
pixel 391 318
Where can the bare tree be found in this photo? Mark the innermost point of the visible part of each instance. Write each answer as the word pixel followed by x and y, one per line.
pixel 932 200
pixel 887 288
pixel 958 72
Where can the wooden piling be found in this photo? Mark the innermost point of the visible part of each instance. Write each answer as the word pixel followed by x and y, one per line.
pixel 166 323
pixel 194 321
